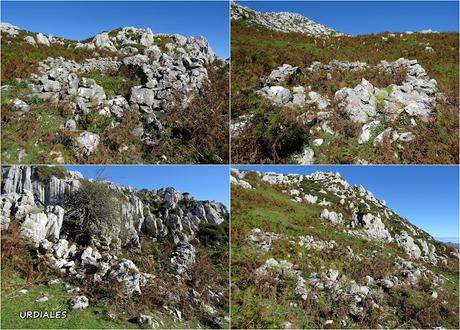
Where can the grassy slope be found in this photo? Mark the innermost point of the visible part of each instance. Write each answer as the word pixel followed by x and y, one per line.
pixel 259 306
pixel 19 270
pixel 197 134
pixel 256 51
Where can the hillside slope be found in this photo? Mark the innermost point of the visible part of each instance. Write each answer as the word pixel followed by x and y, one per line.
pixel 280 22
pixel 110 255
pixel 315 252
pixel 123 96
pixel 381 98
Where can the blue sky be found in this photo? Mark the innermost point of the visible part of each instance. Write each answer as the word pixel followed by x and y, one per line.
pixel 363 17
pixel 201 181
pixel 80 20
pixel 427 196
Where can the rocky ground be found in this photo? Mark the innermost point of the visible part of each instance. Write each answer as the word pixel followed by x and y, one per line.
pixel 122 96
pixel 309 95
pixel 312 251
pixel 145 259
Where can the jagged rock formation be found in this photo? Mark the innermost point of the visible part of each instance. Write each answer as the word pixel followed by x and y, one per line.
pixel 281 21
pixel 32 202
pixel 36 204
pixel 326 255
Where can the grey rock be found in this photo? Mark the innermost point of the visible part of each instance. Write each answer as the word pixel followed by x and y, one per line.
pixel 279 95
pixel 42 299
pixel 372 226
pixel 405 241
pixel 19 106
pixel 79 302
pixel 42 39
pixel 366 131
pixel 183 257
pixel 280 74
pixel 307 157
pixel 30 40
pixel 334 217
pixel 87 143
pixel 70 125
pixel 153 52
pixel 127 273
pixel 358 103
pixel 144 320
pixel 142 96
pixel 102 40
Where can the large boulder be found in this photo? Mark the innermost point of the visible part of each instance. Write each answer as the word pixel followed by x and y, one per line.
pixel 42 39
pixel 334 217
pixel 102 40
pixel 127 273
pixel 279 95
pixel 79 302
pixel 407 243
pixel 183 257
pixel 358 103
pixel 20 107
pixel 280 74
pixel 86 143
pixel 43 224
pixel 372 226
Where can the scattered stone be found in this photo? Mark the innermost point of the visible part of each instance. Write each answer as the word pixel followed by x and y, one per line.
pixel 79 302
pixel 87 143
pixel 19 106
pixel 307 157
pixel 42 299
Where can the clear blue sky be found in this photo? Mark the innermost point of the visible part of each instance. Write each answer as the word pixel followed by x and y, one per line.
pixel 81 20
pixel 427 196
pixel 364 17
pixel 201 181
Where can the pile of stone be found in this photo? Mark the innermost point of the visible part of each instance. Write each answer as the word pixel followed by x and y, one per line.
pixel 365 104
pixel 169 77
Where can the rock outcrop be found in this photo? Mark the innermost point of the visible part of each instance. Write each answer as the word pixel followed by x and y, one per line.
pixel 280 21
pixel 367 217
pixel 164 71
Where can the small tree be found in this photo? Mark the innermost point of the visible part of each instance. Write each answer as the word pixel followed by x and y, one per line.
pixel 92 212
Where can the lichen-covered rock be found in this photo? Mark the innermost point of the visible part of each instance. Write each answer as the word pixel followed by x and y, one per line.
pixel 127 273
pixel 79 302
pixel 183 257
pixel 86 143
pixel 334 217
pixel 358 103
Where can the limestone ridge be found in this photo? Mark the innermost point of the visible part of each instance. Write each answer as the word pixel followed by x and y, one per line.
pixel 162 215
pixel 170 70
pixel 24 198
pixel 281 21
pixel 370 217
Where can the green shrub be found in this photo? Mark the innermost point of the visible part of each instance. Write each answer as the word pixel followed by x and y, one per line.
pixel 44 173
pixel 212 234
pixel 92 212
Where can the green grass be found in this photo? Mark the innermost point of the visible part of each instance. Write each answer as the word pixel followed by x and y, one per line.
pixel 162 41
pixel 112 84
pixel 13 303
pixel 45 173
pixel 256 51
pixel 269 304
